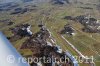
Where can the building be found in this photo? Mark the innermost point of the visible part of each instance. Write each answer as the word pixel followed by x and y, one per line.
pixel 68 29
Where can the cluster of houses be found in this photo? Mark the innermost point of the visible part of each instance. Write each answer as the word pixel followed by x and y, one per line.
pixel 69 30
pixel 40 46
pixel 20 31
pixel 91 25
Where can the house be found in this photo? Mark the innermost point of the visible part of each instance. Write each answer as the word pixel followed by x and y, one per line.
pixel 22 30
pixel 37 64
pixel 49 44
pixel 27 27
pixel 25 30
pixel 58 49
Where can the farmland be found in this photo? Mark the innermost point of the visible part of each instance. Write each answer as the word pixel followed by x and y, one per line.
pixel 52 16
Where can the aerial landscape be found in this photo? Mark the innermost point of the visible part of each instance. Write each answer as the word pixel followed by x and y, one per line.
pixel 68 29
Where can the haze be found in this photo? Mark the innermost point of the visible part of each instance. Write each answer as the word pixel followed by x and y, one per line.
pixel 6 1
